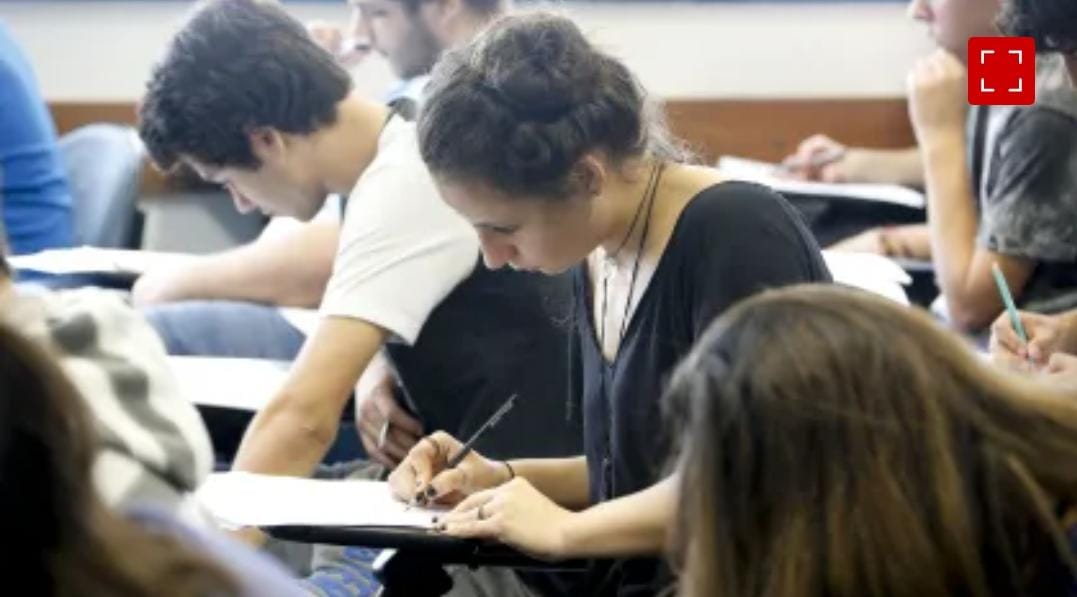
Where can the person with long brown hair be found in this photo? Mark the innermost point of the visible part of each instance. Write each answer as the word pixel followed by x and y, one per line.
pixel 855 448
pixel 60 539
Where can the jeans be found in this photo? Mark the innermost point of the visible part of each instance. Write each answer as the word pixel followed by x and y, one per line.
pixel 225 329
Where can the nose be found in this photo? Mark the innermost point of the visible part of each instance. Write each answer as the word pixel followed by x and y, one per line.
pixel 359 28
pixel 496 253
pixel 243 205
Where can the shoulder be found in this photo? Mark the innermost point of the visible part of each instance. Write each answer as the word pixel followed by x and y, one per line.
pixel 15 73
pixel 738 227
pixel 1043 128
pixel 737 209
pixel 119 366
pixel 397 173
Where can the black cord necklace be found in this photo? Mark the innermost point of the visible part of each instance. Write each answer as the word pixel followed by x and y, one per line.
pixel 646 204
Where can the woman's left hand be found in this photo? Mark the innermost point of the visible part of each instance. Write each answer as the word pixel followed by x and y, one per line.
pixel 515 514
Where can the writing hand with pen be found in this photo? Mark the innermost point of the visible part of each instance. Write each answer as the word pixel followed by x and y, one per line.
pixel 819 158
pixel 488 500
pixel 1049 345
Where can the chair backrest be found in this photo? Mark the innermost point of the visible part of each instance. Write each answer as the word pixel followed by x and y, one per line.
pixel 104 165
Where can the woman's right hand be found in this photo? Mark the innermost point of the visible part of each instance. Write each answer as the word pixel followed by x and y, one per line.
pixel 422 476
pixel 1047 334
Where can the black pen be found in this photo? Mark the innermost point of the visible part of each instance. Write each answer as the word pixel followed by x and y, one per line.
pixel 470 443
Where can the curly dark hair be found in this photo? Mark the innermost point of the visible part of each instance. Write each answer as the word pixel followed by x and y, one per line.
pixel 237 65
pixel 1052 23
pixel 520 105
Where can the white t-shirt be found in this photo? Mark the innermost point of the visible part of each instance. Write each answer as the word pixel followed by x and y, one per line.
pixel 402 249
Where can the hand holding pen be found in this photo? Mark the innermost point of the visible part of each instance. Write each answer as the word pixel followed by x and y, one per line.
pixel 1045 336
pixel 442 470
pixel 815 159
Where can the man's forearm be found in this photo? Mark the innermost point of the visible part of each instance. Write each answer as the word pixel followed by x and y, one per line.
pixel 283 441
pixel 291 268
pixel 893 166
pixel 291 435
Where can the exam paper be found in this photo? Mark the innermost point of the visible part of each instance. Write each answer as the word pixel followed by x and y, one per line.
pixel 239 384
pixel 868 271
pixel 96 260
pixel 237 499
pixel 767 174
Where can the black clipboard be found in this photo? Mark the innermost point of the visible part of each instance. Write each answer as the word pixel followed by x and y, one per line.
pixel 429 544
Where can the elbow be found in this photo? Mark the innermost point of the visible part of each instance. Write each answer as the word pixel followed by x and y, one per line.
pixel 149 289
pixel 312 290
pixel 968 317
pixel 313 428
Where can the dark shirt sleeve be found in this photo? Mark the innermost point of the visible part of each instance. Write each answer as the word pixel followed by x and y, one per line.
pixel 749 241
pixel 1030 210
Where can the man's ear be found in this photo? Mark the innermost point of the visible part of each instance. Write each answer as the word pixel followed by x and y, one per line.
pixel 267 144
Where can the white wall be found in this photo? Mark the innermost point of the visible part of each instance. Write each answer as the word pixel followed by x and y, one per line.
pixel 103 51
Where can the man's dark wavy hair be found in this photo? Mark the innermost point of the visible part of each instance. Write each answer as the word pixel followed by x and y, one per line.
pixel 237 65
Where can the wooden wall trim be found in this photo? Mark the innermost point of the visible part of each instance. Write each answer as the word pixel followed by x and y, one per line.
pixel 764 129
pixel 771 129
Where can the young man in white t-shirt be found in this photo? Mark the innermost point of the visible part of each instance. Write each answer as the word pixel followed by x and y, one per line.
pixel 253 301
pixel 277 124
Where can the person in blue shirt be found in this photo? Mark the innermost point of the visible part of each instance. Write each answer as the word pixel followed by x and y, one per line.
pixel 34 198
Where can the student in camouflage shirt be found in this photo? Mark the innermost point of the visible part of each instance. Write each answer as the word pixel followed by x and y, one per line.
pixel 1028 187
pixel 999 180
pixel 1052 339
pixel 154 449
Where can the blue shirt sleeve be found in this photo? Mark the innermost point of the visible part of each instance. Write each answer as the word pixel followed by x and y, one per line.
pixel 34 197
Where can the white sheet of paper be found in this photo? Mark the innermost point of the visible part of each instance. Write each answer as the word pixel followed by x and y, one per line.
pixel 241 384
pixel 238 499
pixel 766 173
pixel 867 271
pixel 304 320
pixel 95 260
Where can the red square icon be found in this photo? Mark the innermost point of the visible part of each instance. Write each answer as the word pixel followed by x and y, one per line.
pixel 1002 71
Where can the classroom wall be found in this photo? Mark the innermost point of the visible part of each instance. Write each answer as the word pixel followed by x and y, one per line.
pixel 102 51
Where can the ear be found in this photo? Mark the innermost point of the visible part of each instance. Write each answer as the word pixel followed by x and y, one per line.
pixel 267 144
pixel 589 175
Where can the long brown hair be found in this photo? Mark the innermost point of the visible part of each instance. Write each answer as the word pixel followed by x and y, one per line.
pixel 64 541
pixel 837 445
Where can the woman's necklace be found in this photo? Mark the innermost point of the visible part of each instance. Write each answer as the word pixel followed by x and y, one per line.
pixel 646 204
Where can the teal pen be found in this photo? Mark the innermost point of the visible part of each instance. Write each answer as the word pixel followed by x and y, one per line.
pixel 1007 299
